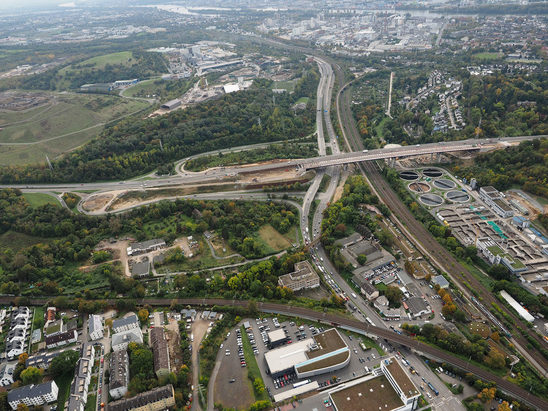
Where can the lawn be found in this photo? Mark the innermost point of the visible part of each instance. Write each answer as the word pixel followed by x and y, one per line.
pixel 303 100
pixel 92 403
pixel 72 120
pixel 273 239
pixel 63 383
pixel 40 199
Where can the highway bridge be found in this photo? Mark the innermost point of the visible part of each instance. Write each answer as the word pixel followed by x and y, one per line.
pixel 345 323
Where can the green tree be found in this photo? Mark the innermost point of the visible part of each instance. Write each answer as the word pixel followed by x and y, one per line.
pixel 31 375
pixel 64 363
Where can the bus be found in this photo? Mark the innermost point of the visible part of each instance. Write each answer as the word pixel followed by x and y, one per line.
pixel 433 389
pixel 301 383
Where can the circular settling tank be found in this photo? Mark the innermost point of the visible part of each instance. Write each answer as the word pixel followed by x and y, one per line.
pixel 431 199
pixel 457 196
pixel 432 172
pixel 409 175
pixel 444 184
pixel 419 187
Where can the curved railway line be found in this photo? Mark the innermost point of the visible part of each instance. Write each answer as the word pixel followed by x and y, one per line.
pixel 443 258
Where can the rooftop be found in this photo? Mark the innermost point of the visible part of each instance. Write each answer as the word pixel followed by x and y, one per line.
pixel 401 378
pixel 366 394
pixel 276 335
pixel 122 322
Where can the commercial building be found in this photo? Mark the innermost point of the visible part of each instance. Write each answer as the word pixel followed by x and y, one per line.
pixel 389 389
pixel 326 352
pixel 303 277
pixel 121 340
pixel 160 351
pixel 33 395
pixel 145 246
pixel 119 374
pixel 494 199
pixel 95 327
pixel 158 399
pixel 82 377
pixel 126 323
pixel 417 307
pixel 523 313
pixel 277 338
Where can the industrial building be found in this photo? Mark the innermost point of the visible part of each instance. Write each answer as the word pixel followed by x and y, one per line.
pixel 145 246
pixel 523 313
pixel 160 351
pixel 171 105
pixel 324 353
pixel 391 389
pixel 494 199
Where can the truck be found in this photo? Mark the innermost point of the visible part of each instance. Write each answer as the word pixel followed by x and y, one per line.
pixel 433 389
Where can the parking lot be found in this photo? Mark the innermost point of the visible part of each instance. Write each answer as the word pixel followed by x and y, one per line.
pixel 296 332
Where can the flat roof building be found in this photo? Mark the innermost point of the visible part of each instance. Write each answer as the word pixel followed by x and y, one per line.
pixel 145 246
pixel 325 352
pixel 276 338
pixel 95 327
pixel 416 306
pixel 304 276
pixel 126 323
pixel 388 390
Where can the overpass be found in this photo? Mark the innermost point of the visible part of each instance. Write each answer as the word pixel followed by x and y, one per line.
pixel 341 321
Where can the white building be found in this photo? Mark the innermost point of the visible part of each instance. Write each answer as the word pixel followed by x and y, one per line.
pixel 494 199
pixel 95 327
pixel 6 374
pixel 121 340
pixel 125 324
pixel 79 388
pixel 304 277
pixel 389 389
pixel 33 395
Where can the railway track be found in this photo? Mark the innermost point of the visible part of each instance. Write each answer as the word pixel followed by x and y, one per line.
pixel 344 322
pixel 446 261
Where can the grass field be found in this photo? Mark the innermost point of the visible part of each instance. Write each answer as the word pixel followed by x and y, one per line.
pixel 97 63
pixel 69 121
pixel 487 56
pixel 303 100
pixel 16 241
pixel 253 371
pixel 40 199
pixel 272 238
pixel 286 85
